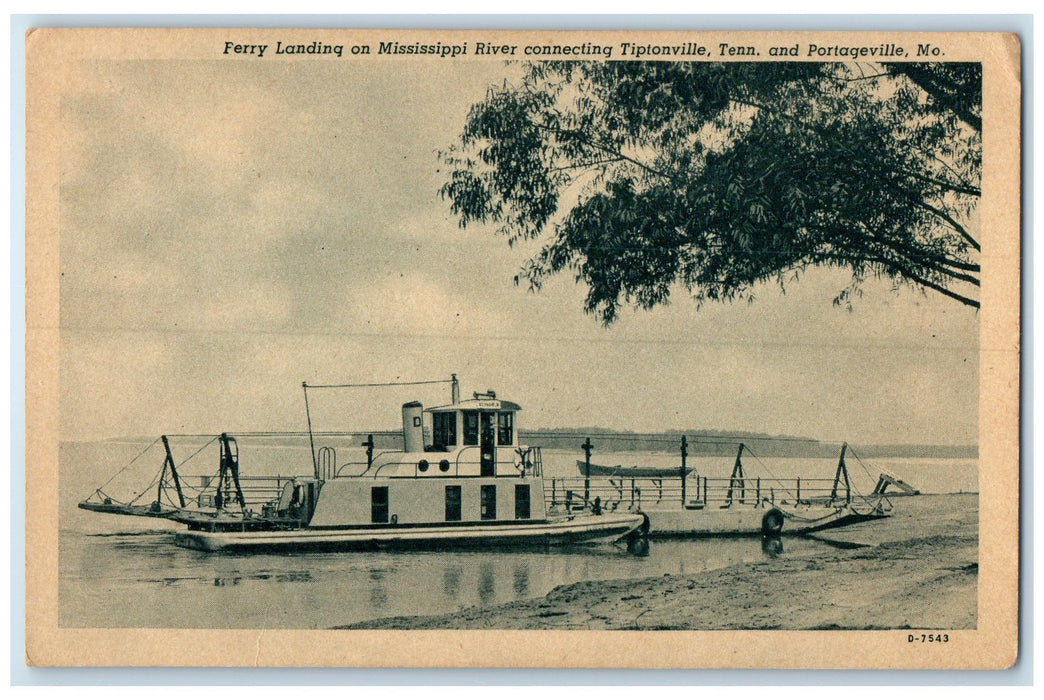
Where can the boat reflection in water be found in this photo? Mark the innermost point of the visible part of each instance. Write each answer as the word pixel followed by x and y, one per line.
pixel 324 590
pixel 772 546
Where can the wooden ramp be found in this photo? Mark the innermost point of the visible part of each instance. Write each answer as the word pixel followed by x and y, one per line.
pixel 150 511
pixel 887 479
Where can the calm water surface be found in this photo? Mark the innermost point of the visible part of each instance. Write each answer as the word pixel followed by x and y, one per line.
pixel 141 579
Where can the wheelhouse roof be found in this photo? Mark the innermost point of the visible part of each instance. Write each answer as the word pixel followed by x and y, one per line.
pixel 477 405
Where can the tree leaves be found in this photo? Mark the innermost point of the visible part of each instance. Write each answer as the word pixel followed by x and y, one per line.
pixel 718 176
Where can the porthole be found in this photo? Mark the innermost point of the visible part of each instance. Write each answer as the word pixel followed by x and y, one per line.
pixel 444 465
pixel 422 465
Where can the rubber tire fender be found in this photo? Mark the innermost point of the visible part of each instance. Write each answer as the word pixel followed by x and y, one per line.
pixel 772 522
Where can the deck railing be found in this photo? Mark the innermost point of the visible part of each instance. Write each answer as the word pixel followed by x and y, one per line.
pixel 633 493
pixel 257 490
pixel 467 460
pixel 687 489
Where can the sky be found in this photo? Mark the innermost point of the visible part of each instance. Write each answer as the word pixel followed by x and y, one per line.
pixel 230 229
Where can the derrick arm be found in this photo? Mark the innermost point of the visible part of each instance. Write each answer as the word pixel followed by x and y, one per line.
pixel 842 474
pixel 230 461
pixel 737 473
pixel 169 464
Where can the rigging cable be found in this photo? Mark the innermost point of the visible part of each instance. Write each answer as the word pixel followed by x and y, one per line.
pixel 155 480
pixel 359 386
pixel 769 471
pixel 661 437
pixel 852 450
pixel 866 499
pixel 159 474
pixel 126 467
pixel 185 461
pixel 795 515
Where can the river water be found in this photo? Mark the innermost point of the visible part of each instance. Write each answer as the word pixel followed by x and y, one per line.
pixel 116 571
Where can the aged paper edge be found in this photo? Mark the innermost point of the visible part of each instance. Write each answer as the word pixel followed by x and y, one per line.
pixel 992 645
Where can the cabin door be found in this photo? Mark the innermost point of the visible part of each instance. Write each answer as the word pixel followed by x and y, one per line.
pixel 487 442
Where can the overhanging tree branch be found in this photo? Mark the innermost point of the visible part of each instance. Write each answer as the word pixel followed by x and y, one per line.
pixel 946 94
pixel 967 301
pixel 901 270
pixel 616 153
pixel 952 222
pixel 776 163
pixel 957 188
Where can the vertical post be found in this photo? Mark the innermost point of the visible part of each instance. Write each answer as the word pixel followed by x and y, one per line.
pixel 232 468
pixel 455 389
pixel 684 453
pixel 737 473
pixel 311 440
pixel 842 472
pixel 799 491
pixel 587 468
pixel 219 495
pixel 159 485
pixel 369 450
pixel 759 491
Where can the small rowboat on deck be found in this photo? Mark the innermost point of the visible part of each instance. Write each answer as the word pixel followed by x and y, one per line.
pixel 634 472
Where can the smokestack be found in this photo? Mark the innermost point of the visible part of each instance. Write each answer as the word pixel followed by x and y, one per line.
pixel 413 426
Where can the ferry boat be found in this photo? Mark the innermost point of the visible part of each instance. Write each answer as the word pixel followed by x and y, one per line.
pixel 471 485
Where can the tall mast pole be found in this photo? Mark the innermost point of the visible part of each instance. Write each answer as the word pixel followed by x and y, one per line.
pixel 311 440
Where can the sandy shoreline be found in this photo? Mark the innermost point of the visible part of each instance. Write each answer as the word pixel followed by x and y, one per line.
pixel 917 569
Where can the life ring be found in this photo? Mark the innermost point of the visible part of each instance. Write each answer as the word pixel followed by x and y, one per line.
pixel 772 522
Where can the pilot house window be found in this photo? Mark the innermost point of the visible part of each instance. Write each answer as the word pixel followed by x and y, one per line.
pixel 471 422
pixel 444 430
pixel 504 428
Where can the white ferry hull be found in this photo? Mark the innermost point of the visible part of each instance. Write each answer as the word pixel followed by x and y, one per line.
pixel 578 530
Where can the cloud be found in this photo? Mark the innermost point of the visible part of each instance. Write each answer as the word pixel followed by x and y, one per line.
pixel 230 229
pixel 412 303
